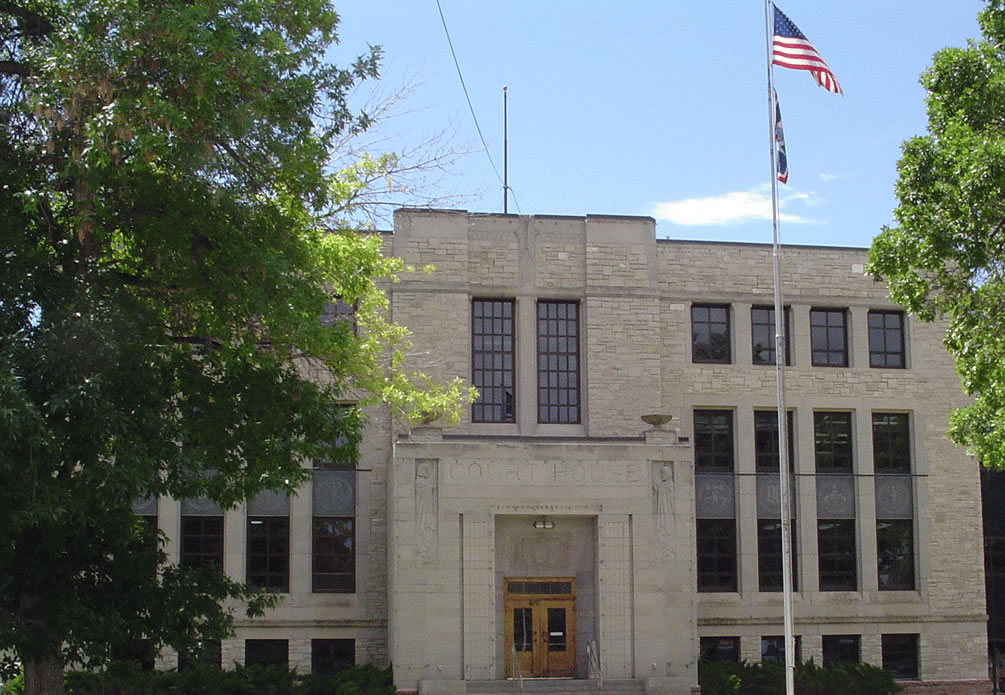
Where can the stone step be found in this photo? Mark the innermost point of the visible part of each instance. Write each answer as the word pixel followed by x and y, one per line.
pixel 555 686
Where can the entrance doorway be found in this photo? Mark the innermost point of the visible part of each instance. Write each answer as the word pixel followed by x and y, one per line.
pixel 539 627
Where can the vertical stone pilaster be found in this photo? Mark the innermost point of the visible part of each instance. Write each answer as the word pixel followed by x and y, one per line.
pixel 300 655
pixel 615 592
pixel 169 521
pixel 480 598
pixel 231 652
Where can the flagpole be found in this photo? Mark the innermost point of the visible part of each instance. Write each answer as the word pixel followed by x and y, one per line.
pixel 783 440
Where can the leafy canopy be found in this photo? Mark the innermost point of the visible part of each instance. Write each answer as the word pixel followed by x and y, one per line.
pixel 163 267
pixel 946 255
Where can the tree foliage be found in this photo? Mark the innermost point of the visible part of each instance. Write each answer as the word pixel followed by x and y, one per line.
pixel 166 251
pixel 946 256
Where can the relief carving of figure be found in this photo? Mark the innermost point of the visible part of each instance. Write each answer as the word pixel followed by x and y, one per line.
pixel 663 503
pixel 425 510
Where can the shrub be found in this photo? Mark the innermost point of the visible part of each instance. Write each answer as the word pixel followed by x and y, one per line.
pixel 129 679
pixel 768 678
pixel 15 686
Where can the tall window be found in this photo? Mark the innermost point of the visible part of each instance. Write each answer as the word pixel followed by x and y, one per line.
pixel 900 656
pixel 713 440
pixel 333 543
pixel 710 333
pixel 762 334
pixel 268 556
pixel 715 529
pixel 201 541
pixel 894 501
pixel 769 526
pixel 836 542
pixel 838 568
pixel 832 443
pixel 334 555
pixel 558 362
pixel 842 649
pixel 886 339
pixel 829 337
pixel 492 360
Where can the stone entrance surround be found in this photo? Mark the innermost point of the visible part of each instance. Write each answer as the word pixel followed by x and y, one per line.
pixel 462 513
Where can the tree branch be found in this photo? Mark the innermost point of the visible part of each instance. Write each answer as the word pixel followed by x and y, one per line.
pixel 32 23
pixel 12 67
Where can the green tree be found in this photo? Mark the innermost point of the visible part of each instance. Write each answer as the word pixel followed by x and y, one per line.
pixel 946 255
pixel 169 240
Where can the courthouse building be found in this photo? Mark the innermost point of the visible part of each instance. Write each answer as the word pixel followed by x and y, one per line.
pixel 611 499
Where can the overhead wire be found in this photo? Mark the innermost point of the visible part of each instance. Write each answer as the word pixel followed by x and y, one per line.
pixel 471 107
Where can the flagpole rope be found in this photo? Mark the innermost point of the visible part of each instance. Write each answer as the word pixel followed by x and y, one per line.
pixel 471 107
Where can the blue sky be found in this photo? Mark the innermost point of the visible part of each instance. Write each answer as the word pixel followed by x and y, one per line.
pixel 660 108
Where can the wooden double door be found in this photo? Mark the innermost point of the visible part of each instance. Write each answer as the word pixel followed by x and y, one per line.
pixel 540 627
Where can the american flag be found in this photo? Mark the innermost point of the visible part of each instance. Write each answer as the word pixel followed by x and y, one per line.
pixel 791 49
pixel 782 161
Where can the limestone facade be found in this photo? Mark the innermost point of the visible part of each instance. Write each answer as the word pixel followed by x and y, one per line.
pixel 656 537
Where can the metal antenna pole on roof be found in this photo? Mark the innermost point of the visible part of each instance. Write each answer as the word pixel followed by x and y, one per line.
pixel 780 343
pixel 505 152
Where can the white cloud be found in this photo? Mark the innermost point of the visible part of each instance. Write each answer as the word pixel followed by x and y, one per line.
pixel 734 207
pixel 830 177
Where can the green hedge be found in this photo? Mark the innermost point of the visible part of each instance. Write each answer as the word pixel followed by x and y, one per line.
pixel 768 678
pixel 130 679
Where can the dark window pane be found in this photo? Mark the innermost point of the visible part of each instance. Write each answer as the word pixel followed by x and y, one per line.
pixel 762 335
pixel 268 553
pixel 710 334
pixel 266 652
pixel 492 360
pixel 206 654
pixel 556 630
pixel 330 656
pixel 895 554
pixel 334 555
pixel 201 541
pixel 891 443
pixel 766 440
pixel 339 313
pixel 716 550
pixel 140 652
pixel 769 555
pixel 713 440
pixel 345 449
pixel 832 442
pixel 720 649
pixel 886 339
pixel 842 649
pixel 828 337
pixel 523 629
pixel 836 548
pixel 558 362
pixel 900 656
pixel 773 648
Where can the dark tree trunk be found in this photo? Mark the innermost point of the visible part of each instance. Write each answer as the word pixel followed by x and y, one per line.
pixel 44 677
